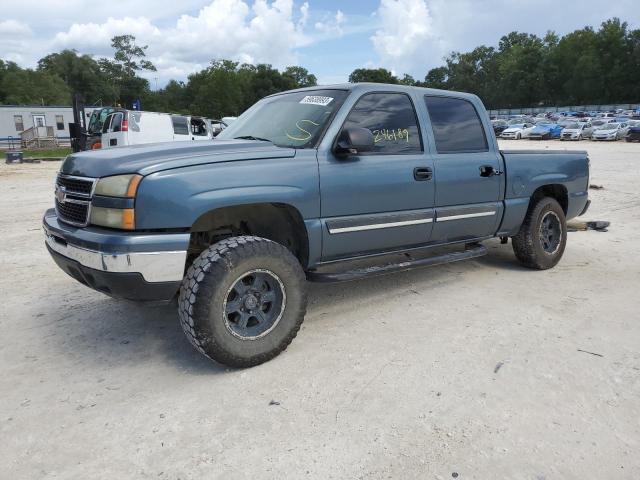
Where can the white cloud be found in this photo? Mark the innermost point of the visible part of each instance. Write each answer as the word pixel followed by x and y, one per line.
pixel 332 26
pixel 263 32
pixel 414 36
pixel 96 37
pixel 14 40
pixel 405 27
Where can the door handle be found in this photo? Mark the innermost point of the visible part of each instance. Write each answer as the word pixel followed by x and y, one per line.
pixel 489 171
pixel 422 173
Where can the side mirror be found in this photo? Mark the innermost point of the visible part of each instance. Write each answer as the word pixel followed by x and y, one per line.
pixel 354 140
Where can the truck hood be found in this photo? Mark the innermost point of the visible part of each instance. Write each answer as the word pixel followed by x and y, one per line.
pixel 150 158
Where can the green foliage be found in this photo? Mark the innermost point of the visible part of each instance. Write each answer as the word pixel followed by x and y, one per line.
pixel 129 55
pixel 124 85
pixel 375 75
pixel 81 74
pixel 583 67
pixel 299 77
pixel 26 86
pixel 226 88
pixel 47 152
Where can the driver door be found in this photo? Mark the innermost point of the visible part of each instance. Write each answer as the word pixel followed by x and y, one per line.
pixel 379 200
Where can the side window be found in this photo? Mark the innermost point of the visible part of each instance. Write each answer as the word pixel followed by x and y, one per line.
pixel 198 127
pixel 456 125
pixel 180 125
pixel 392 120
pixel 60 122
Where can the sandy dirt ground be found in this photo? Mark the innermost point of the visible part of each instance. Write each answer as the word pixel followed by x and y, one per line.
pixel 478 369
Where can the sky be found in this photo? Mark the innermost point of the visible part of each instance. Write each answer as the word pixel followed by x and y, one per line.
pixel 328 37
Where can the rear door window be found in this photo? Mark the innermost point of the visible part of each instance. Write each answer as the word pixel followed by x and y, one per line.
pixel 456 125
pixel 116 122
pixel 112 123
pixel 107 123
pixel 180 125
pixel 392 121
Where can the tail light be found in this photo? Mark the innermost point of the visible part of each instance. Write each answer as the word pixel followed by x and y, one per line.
pixel 125 125
pixel 96 146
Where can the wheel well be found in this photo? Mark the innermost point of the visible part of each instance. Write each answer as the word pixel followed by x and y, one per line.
pixel 557 191
pixel 279 222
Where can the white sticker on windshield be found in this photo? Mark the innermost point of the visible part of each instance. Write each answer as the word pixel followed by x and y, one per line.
pixel 317 100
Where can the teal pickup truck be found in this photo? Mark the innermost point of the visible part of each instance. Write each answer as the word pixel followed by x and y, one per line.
pixel 305 185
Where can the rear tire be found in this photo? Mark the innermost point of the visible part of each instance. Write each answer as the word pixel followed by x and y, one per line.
pixel 243 301
pixel 542 238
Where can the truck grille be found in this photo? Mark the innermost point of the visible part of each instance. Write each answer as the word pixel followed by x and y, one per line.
pixel 76 185
pixel 73 199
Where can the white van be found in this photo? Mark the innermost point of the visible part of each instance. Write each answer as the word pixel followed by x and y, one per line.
pixel 132 127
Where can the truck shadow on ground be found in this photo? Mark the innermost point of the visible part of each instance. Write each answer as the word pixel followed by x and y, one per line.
pixel 105 332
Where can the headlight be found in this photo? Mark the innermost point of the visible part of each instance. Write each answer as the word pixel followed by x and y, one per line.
pixel 118 186
pixel 121 186
pixel 121 218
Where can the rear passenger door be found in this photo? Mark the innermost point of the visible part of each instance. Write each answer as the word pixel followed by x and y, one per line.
pixel 468 171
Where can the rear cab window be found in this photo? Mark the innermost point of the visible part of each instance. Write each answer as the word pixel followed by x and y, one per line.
pixel 456 125
pixel 392 120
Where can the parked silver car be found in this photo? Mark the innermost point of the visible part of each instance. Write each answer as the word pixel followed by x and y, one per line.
pixel 611 131
pixel 576 131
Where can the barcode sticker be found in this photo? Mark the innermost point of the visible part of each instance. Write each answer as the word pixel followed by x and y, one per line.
pixel 316 100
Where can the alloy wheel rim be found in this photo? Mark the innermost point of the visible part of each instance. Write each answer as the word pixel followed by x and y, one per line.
pixel 254 304
pixel 550 233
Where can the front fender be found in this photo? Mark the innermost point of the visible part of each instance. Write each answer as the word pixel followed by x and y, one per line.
pixel 175 199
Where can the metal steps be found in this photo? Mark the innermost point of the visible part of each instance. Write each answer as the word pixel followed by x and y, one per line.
pixel 471 251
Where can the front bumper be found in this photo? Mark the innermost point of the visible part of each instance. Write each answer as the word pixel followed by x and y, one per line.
pixel 128 265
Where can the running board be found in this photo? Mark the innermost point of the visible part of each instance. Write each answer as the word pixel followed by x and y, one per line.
pixel 472 251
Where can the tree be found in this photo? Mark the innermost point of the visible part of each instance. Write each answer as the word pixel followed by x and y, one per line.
pixel 123 83
pixel 437 78
pixel 407 80
pixel 26 86
pixel 129 55
pixel 81 74
pixel 300 77
pixel 375 75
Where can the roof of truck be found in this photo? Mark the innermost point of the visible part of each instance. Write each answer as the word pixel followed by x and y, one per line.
pixel 369 86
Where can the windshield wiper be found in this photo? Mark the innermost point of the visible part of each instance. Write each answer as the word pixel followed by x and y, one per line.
pixel 251 137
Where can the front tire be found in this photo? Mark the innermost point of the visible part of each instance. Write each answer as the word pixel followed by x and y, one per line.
pixel 243 301
pixel 542 238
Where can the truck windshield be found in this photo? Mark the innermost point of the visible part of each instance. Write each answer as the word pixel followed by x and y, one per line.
pixel 293 120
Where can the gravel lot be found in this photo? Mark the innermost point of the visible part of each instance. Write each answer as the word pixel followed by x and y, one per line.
pixel 477 369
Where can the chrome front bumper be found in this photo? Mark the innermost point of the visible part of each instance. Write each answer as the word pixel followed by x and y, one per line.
pixel 153 266
pixel 157 257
